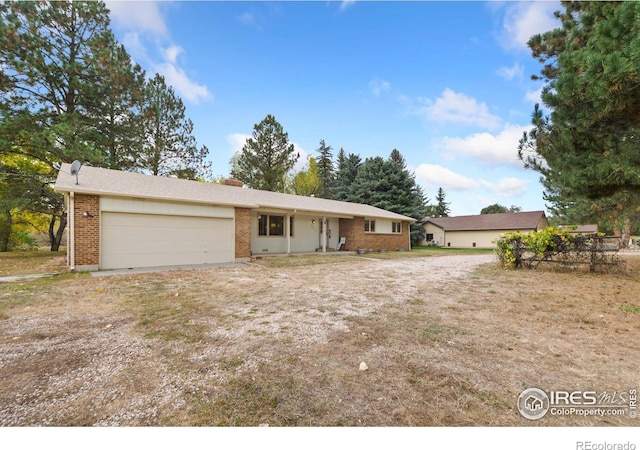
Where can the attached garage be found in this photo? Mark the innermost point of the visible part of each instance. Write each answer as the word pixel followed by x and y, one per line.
pixel 163 234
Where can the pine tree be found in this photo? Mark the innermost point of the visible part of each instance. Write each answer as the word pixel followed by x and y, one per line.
pixel 441 208
pixel 587 145
pixel 348 166
pixel 266 158
pixel 325 170
pixel 387 184
pixel 62 70
pixel 169 147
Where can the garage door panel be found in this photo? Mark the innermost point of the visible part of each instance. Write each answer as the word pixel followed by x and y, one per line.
pixel 147 240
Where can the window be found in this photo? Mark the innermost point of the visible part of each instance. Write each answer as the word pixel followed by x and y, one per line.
pixel 270 225
pixel 429 237
pixel 396 227
pixel 370 225
pixel 291 226
pixel 276 226
pixel 262 225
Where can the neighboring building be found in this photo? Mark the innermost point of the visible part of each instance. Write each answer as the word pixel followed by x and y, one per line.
pixel 580 229
pixel 479 230
pixel 122 219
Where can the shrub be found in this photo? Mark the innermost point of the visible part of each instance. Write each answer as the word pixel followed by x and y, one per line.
pixel 511 247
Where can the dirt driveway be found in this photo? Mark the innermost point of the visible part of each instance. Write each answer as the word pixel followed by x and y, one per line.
pixel 449 340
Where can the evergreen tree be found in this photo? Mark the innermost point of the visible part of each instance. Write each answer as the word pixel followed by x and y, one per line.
pixel 117 122
pixel 586 147
pixel 325 170
pixel 60 61
pixel 169 147
pixel 61 69
pixel 348 166
pixel 266 158
pixel 441 208
pixel 387 184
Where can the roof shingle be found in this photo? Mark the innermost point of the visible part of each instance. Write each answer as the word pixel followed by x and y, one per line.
pixel 107 182
pixel 502 221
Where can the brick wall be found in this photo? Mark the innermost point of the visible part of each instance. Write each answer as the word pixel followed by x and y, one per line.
pixel 348 230
pixel 243 233
pixel 87 230
pixel 353 230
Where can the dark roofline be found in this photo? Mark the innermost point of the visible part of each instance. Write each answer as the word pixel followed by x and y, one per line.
pixel 501 221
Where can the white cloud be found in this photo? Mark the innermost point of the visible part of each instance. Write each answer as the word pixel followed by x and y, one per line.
pixel 442 177
pixel 509 73
pixel 524 19
pixel 302 161
pixel 377 86
pixel 455 107
pixel 534 96
pixel 236 141
pixel 134 46
pixel 141 16
pixel 507 187
pixel 171 53
pixel 246 19
pixel 184 86
pixel 489 148
pixel 345 4
pixel 146 37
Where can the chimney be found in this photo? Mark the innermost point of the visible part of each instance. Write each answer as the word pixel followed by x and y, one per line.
pixel 232 182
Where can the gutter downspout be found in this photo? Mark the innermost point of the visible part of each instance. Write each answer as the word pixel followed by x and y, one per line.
pixel 71 238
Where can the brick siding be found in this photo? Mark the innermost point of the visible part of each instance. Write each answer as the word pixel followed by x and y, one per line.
pixel 353 230
pixel 348 230
pixel 243 233
pixel 87 230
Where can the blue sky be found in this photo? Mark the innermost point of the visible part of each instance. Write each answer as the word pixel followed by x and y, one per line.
pixel 446 83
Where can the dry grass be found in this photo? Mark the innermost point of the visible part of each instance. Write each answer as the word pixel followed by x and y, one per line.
pixel 448 341
pixel 22 263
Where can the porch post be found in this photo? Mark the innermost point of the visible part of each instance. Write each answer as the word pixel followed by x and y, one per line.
pixel 288 231
pixel 324 235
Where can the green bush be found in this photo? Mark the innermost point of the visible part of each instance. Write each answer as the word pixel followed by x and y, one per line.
pixel 552 240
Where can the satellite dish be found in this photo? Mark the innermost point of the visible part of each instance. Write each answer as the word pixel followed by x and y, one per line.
pixel 75 168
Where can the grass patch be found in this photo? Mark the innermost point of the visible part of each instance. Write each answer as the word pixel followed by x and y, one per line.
pixel 29 262
pixel 169 318
pixel 416 252
pixel 630 308
pixel 433 330
pixel 302 260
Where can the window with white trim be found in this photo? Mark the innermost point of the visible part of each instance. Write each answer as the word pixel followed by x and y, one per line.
pixel 396 227
pixel 370 225
pixel 271 225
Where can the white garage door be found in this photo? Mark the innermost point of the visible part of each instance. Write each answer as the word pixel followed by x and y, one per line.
pixel 151 240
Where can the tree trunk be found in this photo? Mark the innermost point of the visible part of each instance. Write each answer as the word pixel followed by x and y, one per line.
pixel 55 237
pixel 5 232
pixel 626 232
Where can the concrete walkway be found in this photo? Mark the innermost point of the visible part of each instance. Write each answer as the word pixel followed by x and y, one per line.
pixel 112 272
pixel 27 277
